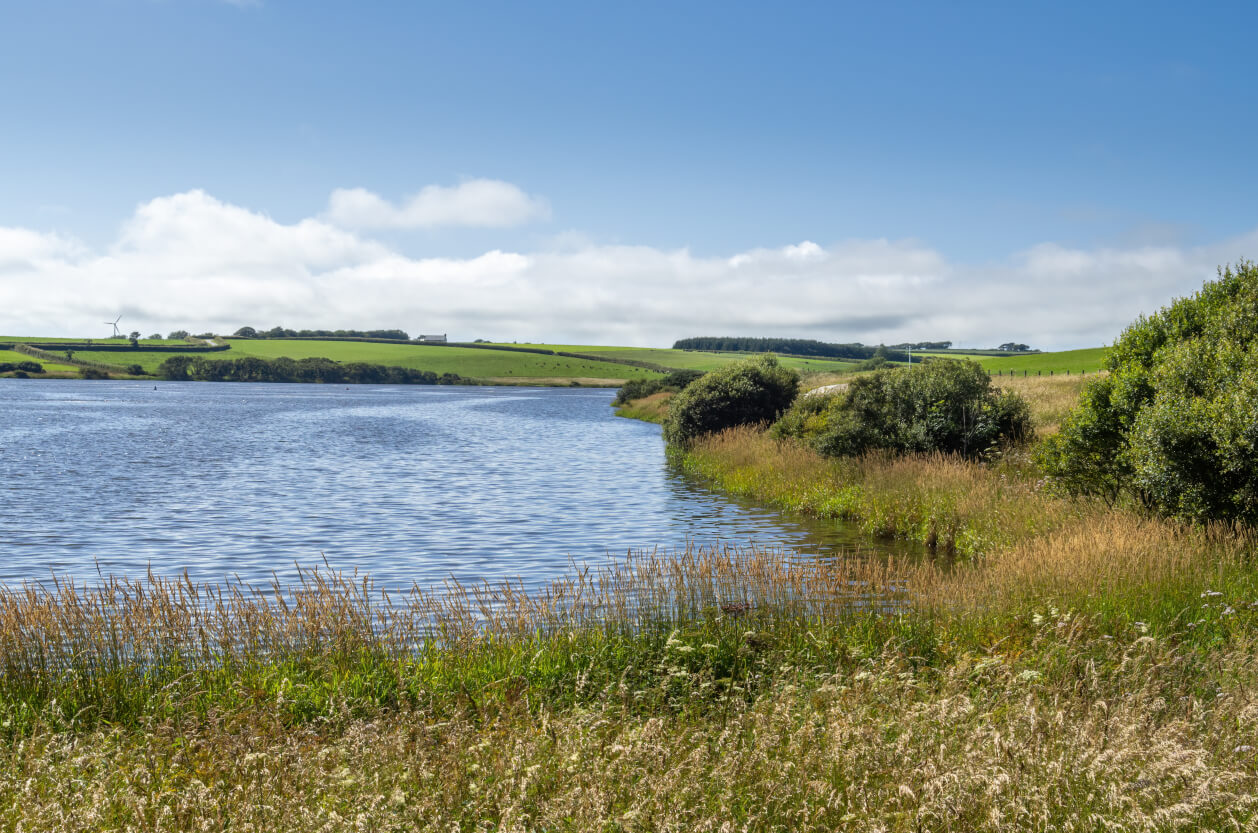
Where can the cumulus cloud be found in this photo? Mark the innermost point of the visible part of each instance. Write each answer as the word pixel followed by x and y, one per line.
pixel 192 261
pixel 488 203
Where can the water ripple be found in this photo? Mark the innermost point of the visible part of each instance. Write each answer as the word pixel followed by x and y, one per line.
pixel 411 484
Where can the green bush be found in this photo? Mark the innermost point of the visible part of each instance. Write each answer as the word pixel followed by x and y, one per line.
pixel 1175 424
pixel 757 390
pixel 943 405
pixel 676 381
pixel 92 373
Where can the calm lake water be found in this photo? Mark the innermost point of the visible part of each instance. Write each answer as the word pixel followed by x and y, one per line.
pixel 410 484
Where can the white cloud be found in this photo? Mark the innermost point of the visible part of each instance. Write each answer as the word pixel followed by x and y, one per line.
pixel 192 261
pixel 487 203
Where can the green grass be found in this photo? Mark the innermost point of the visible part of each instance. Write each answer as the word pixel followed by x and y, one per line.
pixel 497 365
pixel 36 340
pixel 14 357
pixel 1089 359
pixel 506 365
pixel 692 360
pixel 465 361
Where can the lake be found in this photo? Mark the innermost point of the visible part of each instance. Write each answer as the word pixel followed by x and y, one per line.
pixel 408 484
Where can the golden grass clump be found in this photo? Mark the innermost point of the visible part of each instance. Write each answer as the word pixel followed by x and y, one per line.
pixel 1050 397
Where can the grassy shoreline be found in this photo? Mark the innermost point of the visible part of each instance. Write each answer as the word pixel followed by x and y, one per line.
pixel 1084 668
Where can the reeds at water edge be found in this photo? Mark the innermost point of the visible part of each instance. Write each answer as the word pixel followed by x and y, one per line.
pixel 120 622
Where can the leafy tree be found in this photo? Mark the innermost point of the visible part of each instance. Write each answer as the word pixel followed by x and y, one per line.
pixel 753 391
pixel 246 332
pixel 135 335
pixel 1175 423
pixel 176 335
pixel 156 336
pixel 1012 347
pixel 944 405
pixel 877 360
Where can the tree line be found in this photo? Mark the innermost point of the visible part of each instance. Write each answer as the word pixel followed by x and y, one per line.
pixel 789 346
pixel 313 370
pixel 283 332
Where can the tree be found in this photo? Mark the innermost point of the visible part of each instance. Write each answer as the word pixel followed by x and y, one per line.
pixel 753 391
pixel 1175 423
pixel 246 332
pixel 178 335
pixel 943 405
pixel 156 336
pixel 135 335
pixel 1013 347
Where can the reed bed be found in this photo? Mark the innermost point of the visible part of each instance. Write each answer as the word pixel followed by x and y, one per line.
pixel 949 504
pixel 1096 677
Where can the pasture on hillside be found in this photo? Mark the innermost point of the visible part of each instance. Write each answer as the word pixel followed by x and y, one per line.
pixel 13 357
pixel 35 341
pixel 1089 359
pixel 693 359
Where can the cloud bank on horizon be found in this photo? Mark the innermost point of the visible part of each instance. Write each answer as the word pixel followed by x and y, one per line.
pixel 192 261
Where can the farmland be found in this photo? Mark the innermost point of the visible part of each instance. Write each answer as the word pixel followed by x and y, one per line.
pixel 692 359
pixel 13 357
pixel 518 364
pixel 1090 360
pixel 500 366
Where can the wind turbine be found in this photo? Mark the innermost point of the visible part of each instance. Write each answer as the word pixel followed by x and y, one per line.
pixel 114 324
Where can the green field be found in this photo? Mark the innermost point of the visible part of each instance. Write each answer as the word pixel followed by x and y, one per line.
pixel 497 365
pixel 36 340
pixel 14 357
pixel 1089 360
pixel 692 359
pixel 506 365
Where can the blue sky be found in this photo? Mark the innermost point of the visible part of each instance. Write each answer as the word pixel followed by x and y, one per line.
pixel 1082 162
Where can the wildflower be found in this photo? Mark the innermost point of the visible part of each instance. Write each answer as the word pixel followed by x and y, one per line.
pixel 1211 594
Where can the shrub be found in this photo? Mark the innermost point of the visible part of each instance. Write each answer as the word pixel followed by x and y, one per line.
pixel 757 390
pixel 676 381
pixel 21 367
pixel 135 369
pixel 1175 424
pixel 948 406
pixel 92 373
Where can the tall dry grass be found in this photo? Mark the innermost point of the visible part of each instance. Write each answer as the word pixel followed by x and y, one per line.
pixel 1095 678
pixel 1050 397
pixel 949 504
